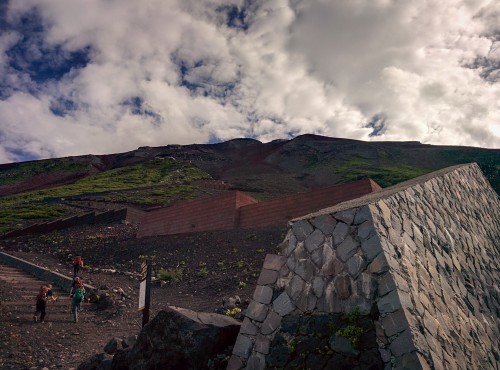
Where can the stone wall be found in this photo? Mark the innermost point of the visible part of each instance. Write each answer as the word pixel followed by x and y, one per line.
pixel 417 264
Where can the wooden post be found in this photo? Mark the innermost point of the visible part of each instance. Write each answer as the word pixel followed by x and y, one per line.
pixel 145 291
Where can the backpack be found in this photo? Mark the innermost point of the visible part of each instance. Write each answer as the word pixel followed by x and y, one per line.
pixel 78 294
pixel 78 261
pixel 42 294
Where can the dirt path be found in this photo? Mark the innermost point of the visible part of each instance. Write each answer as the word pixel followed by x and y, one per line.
pixel 212 265
pixel 58 343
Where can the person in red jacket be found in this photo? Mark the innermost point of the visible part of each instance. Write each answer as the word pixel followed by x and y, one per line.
pixel 77 265
pixel 44 294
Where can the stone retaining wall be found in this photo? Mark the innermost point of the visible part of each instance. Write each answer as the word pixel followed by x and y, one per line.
pixel 420 260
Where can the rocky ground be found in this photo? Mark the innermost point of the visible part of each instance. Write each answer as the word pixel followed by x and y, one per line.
pixel 198 271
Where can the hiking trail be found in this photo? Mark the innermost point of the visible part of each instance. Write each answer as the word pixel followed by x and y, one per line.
pixel 56 343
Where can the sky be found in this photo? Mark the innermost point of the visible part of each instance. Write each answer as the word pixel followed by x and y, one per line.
pixel 109 76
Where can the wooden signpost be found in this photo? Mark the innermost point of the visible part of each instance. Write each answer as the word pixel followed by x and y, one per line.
pixel 145 291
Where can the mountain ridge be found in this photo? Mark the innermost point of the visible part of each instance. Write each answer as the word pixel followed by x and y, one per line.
pixel 157 176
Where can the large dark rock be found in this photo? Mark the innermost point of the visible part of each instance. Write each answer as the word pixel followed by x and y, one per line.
pixel 101 361
pixel 180 339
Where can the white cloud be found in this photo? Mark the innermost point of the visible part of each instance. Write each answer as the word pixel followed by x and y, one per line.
pixel 405 60
pixel 172 71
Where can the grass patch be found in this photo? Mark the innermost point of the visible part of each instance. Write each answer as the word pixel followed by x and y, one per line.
pixel 14 216
pixel 163 195
pixel 385 174
pixel 151 173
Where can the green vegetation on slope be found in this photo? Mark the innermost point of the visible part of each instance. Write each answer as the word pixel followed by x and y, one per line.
pixel 151 173
pixel 153 196
pixel 25 171
pixel 174 176
pixel 14 215
pixel 384 174
pixel 486 159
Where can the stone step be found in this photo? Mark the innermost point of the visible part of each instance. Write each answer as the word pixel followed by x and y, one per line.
pixel 27 287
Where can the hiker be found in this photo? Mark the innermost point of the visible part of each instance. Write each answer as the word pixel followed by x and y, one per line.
pixel 78 294
pixel 77 265
pixel 44 294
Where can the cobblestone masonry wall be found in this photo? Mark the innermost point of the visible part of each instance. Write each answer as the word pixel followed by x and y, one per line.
pixel 420 259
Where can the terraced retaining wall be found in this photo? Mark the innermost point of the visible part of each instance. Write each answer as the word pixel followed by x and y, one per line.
pixel 90 218
pixel 281 210
pixel 238 210
pixel 214 213
pixel 406 278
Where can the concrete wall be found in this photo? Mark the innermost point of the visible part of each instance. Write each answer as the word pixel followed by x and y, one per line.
pixel 214 213
pixel 281 210
pixel 134 215
pixel 420 260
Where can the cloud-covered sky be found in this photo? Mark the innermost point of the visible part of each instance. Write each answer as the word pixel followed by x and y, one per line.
pixel 106 76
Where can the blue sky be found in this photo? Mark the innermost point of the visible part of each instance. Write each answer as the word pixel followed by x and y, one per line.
pixel 105 76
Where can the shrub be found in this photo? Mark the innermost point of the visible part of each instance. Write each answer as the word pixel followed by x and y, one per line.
pixel 171 274
pixel 203 272
pixel 351 332
pixel 240 263
pixel 233 312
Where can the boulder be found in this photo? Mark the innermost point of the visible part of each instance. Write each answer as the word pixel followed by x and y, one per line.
pixel 105 302
pixel 180 339
pixel 112 346
pixel 129 341
pixel 101 361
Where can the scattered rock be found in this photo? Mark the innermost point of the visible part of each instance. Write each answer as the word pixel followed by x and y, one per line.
pixel 105 302
pixel 231 302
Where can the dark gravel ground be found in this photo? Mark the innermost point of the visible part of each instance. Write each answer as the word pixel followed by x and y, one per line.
pixel 205 268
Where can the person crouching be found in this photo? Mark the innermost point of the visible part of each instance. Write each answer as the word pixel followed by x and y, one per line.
pixel 44 294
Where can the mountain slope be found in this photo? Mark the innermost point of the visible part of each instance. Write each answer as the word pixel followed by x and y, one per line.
pixel 159 176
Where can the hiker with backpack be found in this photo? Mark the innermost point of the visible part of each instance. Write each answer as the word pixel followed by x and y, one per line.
pixel 44 294
pixel 77 294
pixel 77 265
